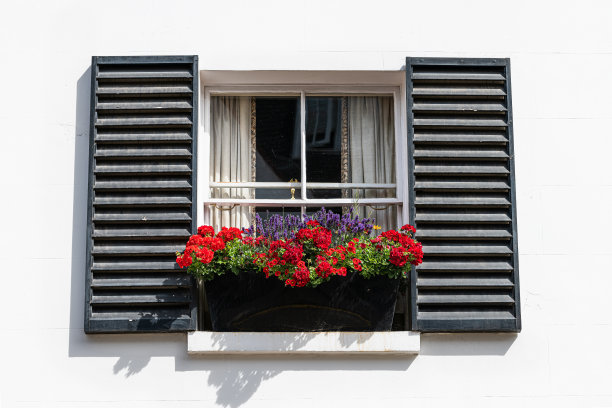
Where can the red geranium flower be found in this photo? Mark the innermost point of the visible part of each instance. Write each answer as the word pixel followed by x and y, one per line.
pixel 205 255
pixel 303 235
pixel 391 235
pixel 323 269
pixel 408 228
pixel 322 238
pixel 397 257
pixel 228 234
pixel 206 231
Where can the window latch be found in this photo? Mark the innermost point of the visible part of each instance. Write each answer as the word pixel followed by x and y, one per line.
pixel 293 180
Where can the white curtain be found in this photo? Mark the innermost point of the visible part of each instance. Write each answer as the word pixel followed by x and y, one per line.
pixel 372 153
pixel 231 157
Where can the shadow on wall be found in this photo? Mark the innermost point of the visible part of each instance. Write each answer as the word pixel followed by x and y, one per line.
pixel 79 204
pixel 237 378
pixel 293 341
pixel 466 344
pixel 134 351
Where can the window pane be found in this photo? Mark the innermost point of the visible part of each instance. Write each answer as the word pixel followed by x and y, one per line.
pixel 278 149
pixel 230 157
pixel 253 139
pixel 351 139
pixel 277 134
pixel 372 152
pixel 324 139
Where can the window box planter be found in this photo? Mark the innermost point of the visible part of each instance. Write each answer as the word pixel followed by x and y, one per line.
pixel 330 273
pixel 250 302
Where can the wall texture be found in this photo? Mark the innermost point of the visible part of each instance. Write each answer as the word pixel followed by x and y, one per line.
pixel 561 62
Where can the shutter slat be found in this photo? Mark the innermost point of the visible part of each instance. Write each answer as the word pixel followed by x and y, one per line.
pixel 153 74
pixel 166 281
pixel 143 169
pixel 151 233
pixel 144 121
pixel 143 136
pixel 481 139
pixel 144 184
pixel 466 250
pixel 137 250
pixel 465 266
pixel 461 188
pixel 142 201
pixel 447 123
pixel 460 154
pixel 141 198
pixel 463 218
pixel 143 217
pixel 442 76
pixel 129 153
pixel 145 91
pixel 471 186
pixel 453 91
pixel 136 266
pixel 462 234
pixel 465 283
pixel 442 107
pixel 171 106
pixel 453 298
pixel 123 297
pixel 468 315
pixel 461 201
pixel 461 170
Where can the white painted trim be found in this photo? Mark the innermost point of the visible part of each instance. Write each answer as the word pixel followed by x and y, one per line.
pixel 204 163
pixel 358 78
pixel 308 202
pixel 303 177
pixel 308 90
pixel 400 158
pixel 306 343
pixel 401 110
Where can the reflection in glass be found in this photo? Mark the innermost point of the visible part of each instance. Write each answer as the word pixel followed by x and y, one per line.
pixel 278 152
pixel 352 140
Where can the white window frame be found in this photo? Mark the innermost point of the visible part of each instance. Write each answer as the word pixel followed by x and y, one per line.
pixel 320 84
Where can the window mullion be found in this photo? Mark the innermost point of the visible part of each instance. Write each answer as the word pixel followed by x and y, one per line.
pixel 303 145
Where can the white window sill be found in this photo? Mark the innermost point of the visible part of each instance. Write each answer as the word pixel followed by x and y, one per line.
pixel 270 343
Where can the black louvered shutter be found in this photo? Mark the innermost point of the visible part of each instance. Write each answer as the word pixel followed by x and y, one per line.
pixel 462 197
pixel 141 194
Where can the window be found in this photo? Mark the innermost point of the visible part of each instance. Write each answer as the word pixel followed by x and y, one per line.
pixel 298 149
pixel 453 177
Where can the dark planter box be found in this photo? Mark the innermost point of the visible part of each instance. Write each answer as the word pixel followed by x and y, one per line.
pixel 250 302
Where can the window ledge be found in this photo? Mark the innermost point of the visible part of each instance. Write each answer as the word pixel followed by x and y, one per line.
pixel 270 343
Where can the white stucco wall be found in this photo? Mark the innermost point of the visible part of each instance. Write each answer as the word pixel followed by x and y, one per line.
pixel 561 55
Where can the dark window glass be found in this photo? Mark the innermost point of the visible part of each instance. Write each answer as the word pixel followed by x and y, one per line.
pixel 278 153
pixel 324 143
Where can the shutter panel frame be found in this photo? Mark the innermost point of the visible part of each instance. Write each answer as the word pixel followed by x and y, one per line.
pixel 468 323
pixel 158 292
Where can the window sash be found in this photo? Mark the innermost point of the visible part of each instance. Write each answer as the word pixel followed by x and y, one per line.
pixel 303 91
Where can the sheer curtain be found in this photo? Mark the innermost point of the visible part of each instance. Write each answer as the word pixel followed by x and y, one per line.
pixel 372 152
pixel 231 157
